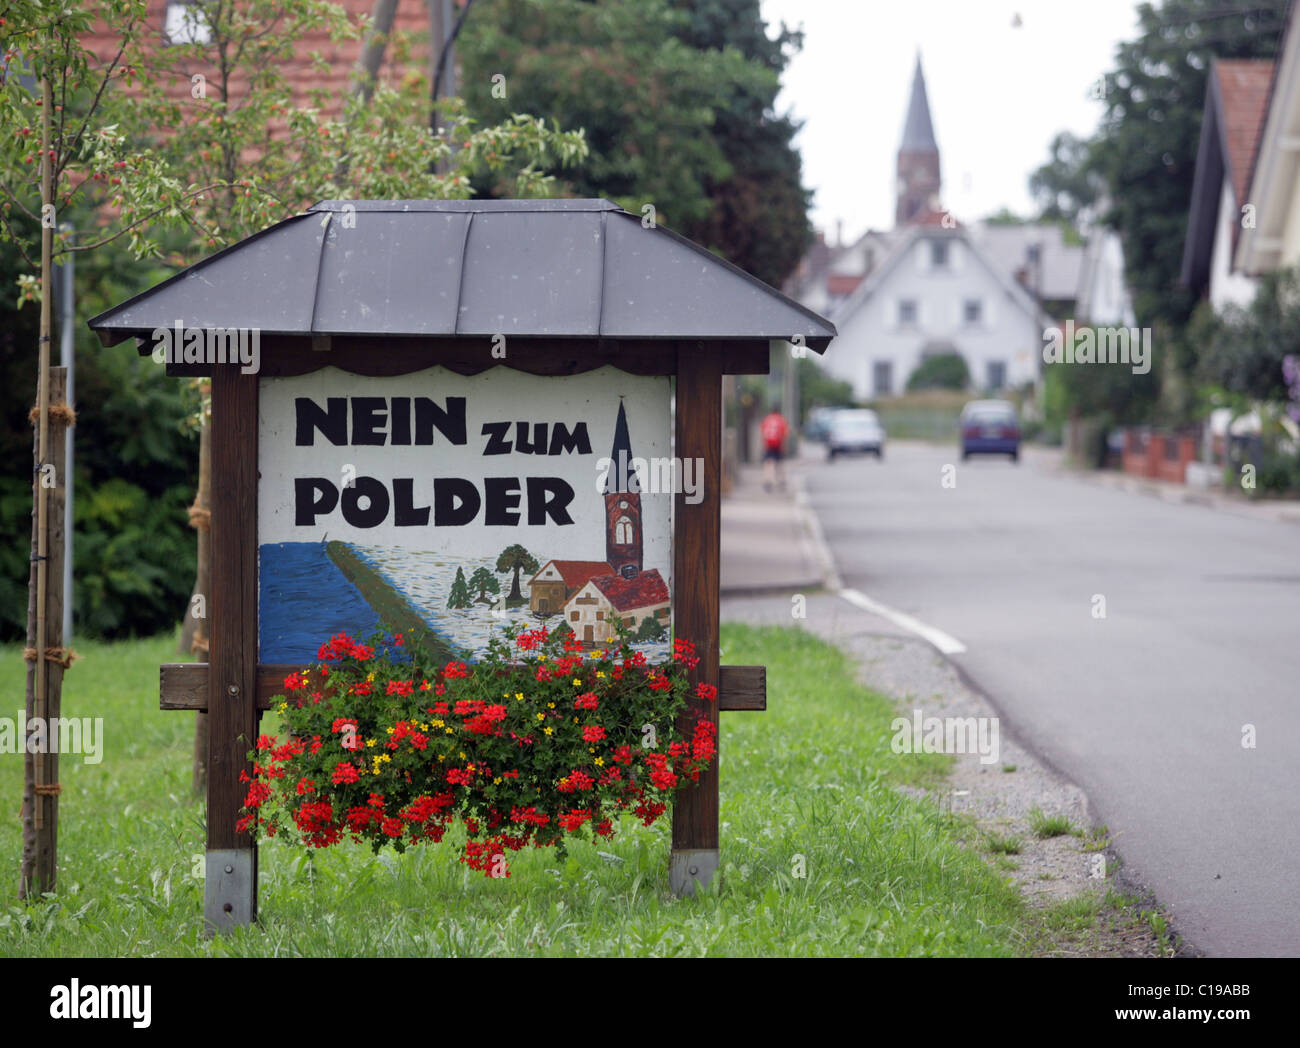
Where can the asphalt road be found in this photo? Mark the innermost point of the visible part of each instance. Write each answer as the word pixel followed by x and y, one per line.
pixel 1144 708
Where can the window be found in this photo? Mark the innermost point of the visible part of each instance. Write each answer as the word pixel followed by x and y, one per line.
pixel 184 23
pixel 600 616
pixel 1034 254
pixel 573 615
pixel 882 378
pixel 939 254
pixel 996 372
pixel 623 532
pixel 906 311
pixel 973 311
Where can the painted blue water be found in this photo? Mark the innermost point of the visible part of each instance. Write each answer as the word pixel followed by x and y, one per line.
pixel 304 601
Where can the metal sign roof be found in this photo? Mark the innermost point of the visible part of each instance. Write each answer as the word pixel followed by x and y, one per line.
pixel 543 268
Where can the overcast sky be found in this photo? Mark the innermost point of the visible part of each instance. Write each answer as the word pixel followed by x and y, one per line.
pixel 998 93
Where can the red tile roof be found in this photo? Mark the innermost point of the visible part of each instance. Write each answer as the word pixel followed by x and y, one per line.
pixel 1243 91
pixel 640 591
pixel 843 283
pixel 577 573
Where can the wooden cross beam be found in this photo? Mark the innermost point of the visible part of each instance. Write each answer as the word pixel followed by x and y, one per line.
pixel 184 686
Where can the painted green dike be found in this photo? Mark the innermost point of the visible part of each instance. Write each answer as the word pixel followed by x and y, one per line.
pixel 394 610
pixel 822 855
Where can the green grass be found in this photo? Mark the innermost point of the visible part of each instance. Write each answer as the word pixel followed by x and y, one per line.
pixel 1000 845
pixel 811 780
pixel 1050 825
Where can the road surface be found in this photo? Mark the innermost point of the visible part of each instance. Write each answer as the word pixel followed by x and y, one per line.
pixel 1147 707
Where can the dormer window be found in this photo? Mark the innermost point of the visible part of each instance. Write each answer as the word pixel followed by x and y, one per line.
pixel 939 254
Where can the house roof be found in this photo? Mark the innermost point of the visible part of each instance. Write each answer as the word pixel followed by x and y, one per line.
pixel 545 268
pixel 918 131
pixel 576 573
pixel 1236 103
pixel 1056 274
pixel 1014 290
pixel 640 591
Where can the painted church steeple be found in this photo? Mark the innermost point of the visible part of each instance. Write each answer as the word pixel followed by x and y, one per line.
pixel 918 157
pixel 623 545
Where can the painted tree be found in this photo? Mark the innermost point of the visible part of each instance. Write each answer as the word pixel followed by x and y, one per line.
pixel 458 598
pixel 486 583
pixel 516 559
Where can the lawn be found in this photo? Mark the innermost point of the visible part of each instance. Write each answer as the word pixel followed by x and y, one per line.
pixel 822 856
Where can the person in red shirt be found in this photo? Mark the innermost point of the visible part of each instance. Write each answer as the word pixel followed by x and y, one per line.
pixel 774 430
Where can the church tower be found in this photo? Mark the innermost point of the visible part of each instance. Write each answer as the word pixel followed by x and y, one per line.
pixel 623 546
pixel 918 157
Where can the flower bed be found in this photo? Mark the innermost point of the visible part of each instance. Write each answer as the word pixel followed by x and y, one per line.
pixel 534 744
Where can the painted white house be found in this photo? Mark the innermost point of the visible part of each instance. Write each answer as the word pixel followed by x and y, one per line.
pixel 936 292
pixel 592 610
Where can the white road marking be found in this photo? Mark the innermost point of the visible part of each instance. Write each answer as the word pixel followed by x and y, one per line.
pixel 947 644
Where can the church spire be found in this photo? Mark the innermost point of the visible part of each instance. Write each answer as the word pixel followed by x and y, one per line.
pixel 918 157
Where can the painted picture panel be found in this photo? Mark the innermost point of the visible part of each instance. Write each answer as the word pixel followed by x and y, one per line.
pixel 449 506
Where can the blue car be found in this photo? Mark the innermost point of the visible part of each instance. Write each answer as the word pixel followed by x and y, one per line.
pixel 990 427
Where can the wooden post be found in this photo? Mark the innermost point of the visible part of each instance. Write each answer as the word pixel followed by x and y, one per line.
pixel 696 582
pixel 41 772
pixel 230 888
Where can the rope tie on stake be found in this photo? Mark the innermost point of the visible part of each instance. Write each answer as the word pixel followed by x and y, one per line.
pixel 65 657
pixel 200 519
pixel 63 414
pixel 50 789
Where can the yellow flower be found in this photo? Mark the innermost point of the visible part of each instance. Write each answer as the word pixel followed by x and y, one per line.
pixel 541 716
pixel 577 683
pixel 550 705
pixel 575 720
pixel 370 742
pixel 283 706
pixel 541 658
pixel 600 673
pixel 370 676
pixel 462 754
pixel 448 731
pixel 441 757
pixel 519 695
pixel 390 730
pixel 437 724
pixel 496 781
pixel 591 749
pixel 599 762
pixel 549 731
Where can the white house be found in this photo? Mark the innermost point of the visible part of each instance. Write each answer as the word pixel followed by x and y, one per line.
pixel 936 292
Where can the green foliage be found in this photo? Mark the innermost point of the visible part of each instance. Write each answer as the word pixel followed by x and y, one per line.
pixel 650 629
pixel 1242 351
pixel 516 559
pixel 942 371
pixel 486 583
pixel 818 389
pixel 676 102
pixel 1068 182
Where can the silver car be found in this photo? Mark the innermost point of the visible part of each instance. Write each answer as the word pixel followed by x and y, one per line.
pixel 854 430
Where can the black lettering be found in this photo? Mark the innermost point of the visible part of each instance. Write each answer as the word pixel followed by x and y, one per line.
pixel 449 421
pixel 399 421
pixel 446 511
pixel 549 496
pixel 332 422
pixel 376 509
pixel 496 433
pixel 562 440
pixel 502 500
pixel 312 497
pixel 538 445
pixel 368 420
pixel 405 514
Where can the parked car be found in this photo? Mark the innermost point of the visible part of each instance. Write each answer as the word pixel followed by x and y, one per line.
pixel 853 430
pixel 990 427
pixel 819 423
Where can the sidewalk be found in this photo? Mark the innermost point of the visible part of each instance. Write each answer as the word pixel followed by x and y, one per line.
pixel 1285 510
pixel 766 543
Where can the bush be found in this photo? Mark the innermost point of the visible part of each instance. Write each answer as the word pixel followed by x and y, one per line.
pixel 945 371
pixel 651 629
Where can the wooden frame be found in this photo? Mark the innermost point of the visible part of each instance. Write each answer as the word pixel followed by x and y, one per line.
pixel 234 688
